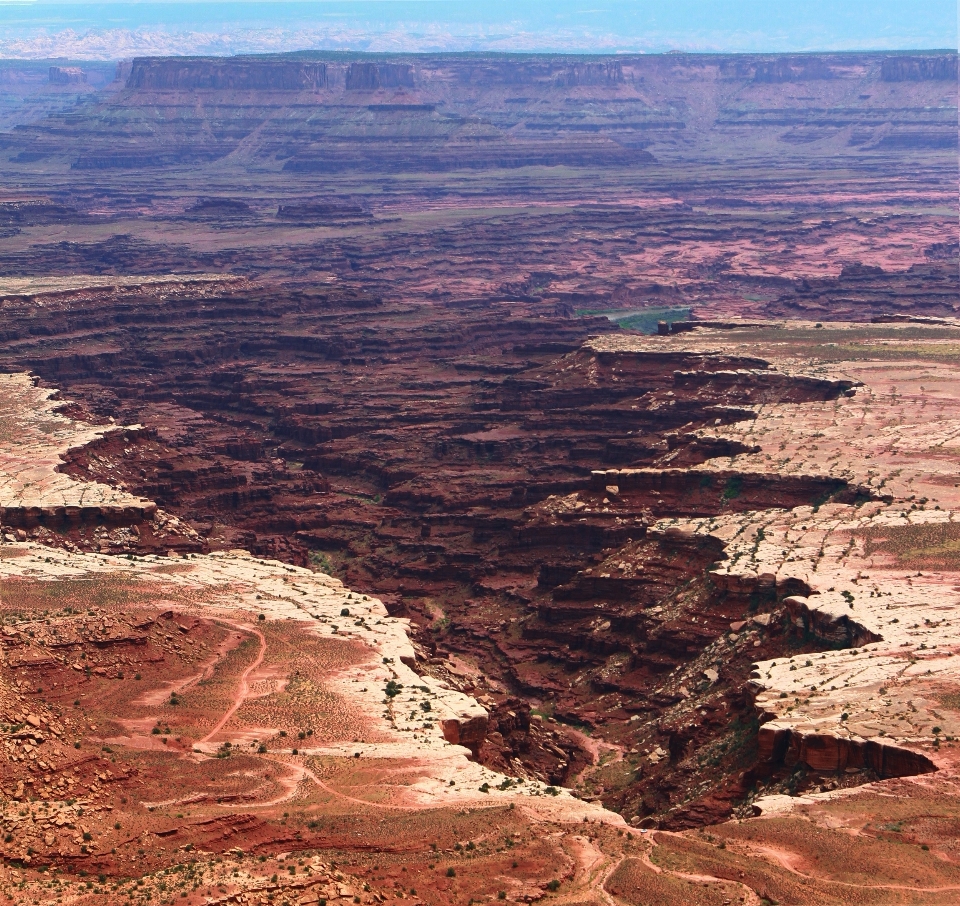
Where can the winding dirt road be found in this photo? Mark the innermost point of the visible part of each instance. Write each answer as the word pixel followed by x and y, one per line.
pixel 243 689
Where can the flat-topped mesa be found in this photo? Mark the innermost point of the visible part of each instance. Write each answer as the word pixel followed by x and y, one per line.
pixel 311 212
pixel 920 68
pixel 707 491
pixel 67 75
pixel 177 74
pixel 767 385
pixel 618 75
pixel 220 209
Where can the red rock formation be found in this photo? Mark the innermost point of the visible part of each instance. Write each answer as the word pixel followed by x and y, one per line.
pixel 827 753
pixel 435 455
pixel 180 74
pixel 371 76
pixel 64 518
pixel 835 629
pixel 67 75
pixel 929 67
pixel 404 397
pixel 469 733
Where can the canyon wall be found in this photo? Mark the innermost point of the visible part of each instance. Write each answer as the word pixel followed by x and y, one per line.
pixel 597 184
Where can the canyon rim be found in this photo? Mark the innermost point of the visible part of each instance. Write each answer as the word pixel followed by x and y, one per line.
pixel 467 477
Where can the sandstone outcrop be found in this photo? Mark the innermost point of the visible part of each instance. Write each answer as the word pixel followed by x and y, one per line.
pixel 33 492
pixel 906 68
pixel 67 75
pixel 176 74
pixel 826 753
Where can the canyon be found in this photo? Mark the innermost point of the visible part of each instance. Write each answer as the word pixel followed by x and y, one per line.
pixel 464 478
pixel 607 183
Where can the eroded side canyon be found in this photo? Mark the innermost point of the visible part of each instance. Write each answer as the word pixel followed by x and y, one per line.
pixel 539 606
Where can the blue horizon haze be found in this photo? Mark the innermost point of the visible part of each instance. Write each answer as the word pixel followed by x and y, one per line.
pixel 115 30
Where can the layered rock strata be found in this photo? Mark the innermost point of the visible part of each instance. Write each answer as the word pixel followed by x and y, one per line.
pixel 601 185
pixel 527 572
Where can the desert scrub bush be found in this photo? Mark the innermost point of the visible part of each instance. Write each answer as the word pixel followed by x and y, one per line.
pixel 321 562
pixel 733 488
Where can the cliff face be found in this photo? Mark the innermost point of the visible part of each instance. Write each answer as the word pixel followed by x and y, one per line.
pixel 452 162
pixel 793 69
pixel 592 74
pixel 374 72
pixel 226 75
pixel 449 461
pixel 71 75
pixel 371 76
pixel 926 68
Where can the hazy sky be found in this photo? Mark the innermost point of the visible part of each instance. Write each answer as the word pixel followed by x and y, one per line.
pixel 114 30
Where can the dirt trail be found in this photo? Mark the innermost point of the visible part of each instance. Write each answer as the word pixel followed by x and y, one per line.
pixel 243 689
pixel 784 858
pixel 157 696
pixel 301 772
pixel 596 748
pixel 751 897
pixel 290 781
pixel 597 868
